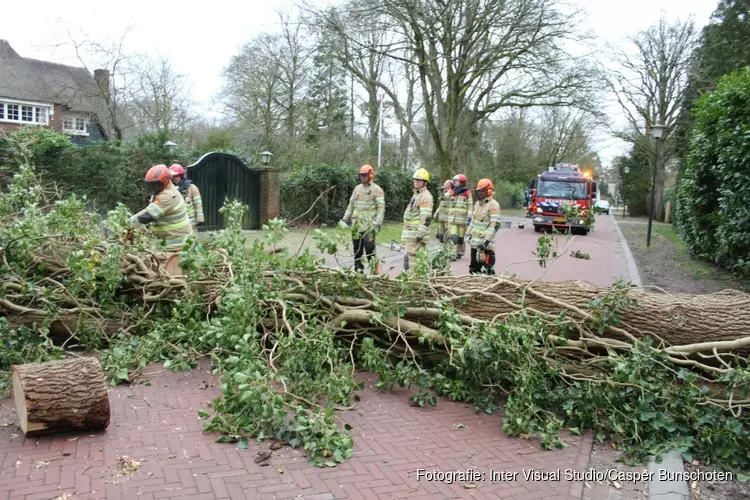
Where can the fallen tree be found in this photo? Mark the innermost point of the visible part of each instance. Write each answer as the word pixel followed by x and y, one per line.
pixel 287 334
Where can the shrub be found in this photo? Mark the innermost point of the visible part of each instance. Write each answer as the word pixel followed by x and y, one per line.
pixel 713 214
pixel 301 188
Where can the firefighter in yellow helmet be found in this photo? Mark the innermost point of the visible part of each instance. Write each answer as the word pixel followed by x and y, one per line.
pixel 443 212
pixel 366 211
pixel 417 217
pixel 166 211
pixel 484 225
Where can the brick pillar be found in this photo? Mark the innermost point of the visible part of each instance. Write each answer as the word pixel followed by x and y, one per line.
pixel 270 192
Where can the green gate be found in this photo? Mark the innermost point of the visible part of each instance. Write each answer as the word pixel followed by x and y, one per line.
pixel 221 177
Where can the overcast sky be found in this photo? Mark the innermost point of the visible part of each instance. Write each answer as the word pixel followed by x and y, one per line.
pixel 200 41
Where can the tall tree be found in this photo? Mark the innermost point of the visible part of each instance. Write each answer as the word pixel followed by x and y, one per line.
pixel 724 47
pixel 473 58
pixel 563 136
pixel 650 86
pixel 327 100
pixel 158 99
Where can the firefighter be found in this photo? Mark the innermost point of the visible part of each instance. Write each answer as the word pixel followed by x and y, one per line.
pixel 366 211
pixel 443 212
pixel 190 193
pixel 483 228
pixel 417 217
pixel 461 210
pixel 166 211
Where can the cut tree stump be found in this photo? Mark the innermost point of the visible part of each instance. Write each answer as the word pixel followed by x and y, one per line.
pixel 61 396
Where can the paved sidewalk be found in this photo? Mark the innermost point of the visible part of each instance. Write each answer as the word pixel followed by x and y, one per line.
pixel 158 426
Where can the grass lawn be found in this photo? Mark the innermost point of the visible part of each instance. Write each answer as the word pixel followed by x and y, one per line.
pixel 697 268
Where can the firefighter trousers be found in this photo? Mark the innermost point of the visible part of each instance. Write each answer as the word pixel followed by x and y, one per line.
pixel 457 237
pixel 364 243
pixel 444 231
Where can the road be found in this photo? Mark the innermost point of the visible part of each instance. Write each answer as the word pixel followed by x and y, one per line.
pixel 606 264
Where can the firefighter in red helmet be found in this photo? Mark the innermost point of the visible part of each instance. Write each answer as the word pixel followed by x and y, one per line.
pixel 166 211
pixel 366 211
pixel 191 194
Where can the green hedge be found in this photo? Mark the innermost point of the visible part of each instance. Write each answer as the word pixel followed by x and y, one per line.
pixel 713 212
pixel 301 188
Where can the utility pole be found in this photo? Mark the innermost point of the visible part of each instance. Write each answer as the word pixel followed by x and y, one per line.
pixel 380 127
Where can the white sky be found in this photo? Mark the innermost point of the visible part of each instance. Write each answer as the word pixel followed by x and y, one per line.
pixel 199 42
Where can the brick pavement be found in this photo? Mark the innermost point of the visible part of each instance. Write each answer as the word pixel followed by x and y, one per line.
pixel 515 247
pixel 158 426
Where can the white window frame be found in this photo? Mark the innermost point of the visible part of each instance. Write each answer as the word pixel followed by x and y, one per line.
pixel 75 131
pixel 50 108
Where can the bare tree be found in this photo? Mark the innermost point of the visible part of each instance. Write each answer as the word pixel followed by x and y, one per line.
pixel 473 58
pixel 563 135
pixel 650 86
pixel 107 92
pixel 252 86
pixel 158 98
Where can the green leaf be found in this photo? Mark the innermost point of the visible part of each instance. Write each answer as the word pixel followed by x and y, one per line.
pixel 242 444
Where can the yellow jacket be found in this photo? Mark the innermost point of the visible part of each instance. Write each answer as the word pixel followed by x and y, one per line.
pixel 417 216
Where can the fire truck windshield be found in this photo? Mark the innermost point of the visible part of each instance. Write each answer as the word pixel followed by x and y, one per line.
pixel 562 189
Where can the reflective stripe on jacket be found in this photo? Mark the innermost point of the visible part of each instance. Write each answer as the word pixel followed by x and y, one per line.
pixel 192 197
pixel 445 208
pixel 366 206
pixel 171 223
pixel 417 216
pixel 461 206
pixel 485 223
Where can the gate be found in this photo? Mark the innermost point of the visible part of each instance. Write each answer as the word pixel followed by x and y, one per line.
pixel 222 176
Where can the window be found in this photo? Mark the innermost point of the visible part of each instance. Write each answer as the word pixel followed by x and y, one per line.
pixel 24 112
pixel 562 189
pixel 75 124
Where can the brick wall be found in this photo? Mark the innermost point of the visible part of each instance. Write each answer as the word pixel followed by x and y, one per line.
pixel 270 192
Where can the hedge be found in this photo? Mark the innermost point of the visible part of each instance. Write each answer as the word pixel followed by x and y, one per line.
pixel 713 213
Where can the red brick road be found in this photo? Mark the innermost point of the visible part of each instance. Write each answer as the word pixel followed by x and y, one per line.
pixel 158 426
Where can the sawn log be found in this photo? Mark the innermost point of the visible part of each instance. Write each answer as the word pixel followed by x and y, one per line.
pixel 61 396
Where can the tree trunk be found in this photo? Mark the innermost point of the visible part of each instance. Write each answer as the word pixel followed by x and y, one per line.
pixel 61 396
pixel 677 319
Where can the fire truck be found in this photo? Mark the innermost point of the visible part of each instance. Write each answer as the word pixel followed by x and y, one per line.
pixel 551 190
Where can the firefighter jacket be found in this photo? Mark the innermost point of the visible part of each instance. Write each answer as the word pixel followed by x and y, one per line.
pixel 461 205
pixel 167 214
pixel 193 201
pixel 366 207
pixel 443 212
pixel 485 223
pixel 417 216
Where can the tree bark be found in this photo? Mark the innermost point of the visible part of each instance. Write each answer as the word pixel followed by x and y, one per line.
pixel 61 396
pixel 677 319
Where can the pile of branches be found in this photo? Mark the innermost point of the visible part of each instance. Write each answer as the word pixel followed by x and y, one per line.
pixel 651 371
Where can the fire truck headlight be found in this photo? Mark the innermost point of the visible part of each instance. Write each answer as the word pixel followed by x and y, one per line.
pixel 538 210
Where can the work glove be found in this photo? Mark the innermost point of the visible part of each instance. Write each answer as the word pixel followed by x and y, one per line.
pixel 484 244
pixel 468 220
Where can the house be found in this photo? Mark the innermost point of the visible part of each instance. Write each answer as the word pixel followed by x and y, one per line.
pixel 67 98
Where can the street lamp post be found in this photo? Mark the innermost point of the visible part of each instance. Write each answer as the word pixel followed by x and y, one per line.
pixel 626 170
pixel 656 131
pixel 170 145
pixel 265 157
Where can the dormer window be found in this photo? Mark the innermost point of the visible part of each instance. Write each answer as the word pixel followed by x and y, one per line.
pixel 75 124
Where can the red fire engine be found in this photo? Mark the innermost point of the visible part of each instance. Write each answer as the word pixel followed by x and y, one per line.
pixel 562 184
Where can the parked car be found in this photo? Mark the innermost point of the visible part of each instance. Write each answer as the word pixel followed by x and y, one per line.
pixel 602 206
